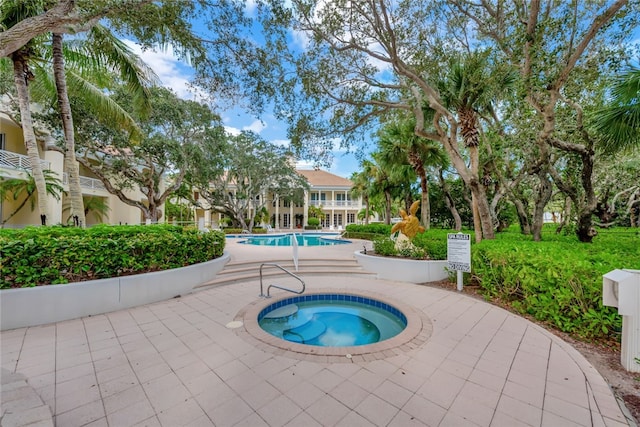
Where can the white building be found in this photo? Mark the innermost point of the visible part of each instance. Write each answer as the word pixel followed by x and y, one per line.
pixel 330 192
pixel 14 163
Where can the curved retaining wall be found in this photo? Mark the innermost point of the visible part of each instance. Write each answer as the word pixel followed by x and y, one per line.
pixel 47 304
pixel 403 270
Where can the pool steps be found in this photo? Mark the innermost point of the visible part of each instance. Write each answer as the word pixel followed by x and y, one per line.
pixel 235 272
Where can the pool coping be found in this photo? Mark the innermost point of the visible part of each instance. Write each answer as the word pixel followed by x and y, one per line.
pixel 418 330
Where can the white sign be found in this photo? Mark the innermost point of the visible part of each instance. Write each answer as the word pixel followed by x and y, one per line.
pixel 459 252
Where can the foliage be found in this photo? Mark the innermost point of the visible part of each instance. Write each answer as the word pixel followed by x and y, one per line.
pixel 315 212
pixel 97 206
pixel 255 230
pixel 620 122
pixel 176 211
pixel 252 167
pixel 557 281
pixel 16 189
pixel 383 229
pixel 313 221
pixel 54 255
pixel 180 137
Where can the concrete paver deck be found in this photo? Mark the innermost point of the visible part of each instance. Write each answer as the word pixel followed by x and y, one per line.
pixel 175 363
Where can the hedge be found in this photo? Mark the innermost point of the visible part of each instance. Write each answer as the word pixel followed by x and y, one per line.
pixel 36 256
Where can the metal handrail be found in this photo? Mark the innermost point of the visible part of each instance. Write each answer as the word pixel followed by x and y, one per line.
pixel 276 286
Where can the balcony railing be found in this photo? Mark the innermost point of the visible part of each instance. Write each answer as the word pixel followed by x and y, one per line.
pixel 86 182
pixel 9 159
pixel 335 203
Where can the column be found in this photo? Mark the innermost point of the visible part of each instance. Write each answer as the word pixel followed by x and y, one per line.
pixel 305 207
pixel 54 216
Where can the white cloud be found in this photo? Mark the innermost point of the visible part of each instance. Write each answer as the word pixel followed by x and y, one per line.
pixel 256 126
pixel 304 164
pixel 232 131
pixel 172 72
pixel 250 7
pixel 281 142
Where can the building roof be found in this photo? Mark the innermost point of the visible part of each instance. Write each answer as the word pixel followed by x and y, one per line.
pixel 320 178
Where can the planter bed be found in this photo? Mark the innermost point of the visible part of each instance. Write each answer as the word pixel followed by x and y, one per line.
pixel 403 270
pixel 47 304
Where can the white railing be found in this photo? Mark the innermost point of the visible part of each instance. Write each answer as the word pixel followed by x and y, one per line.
pixel 335 203
pixel 86 182
pixel 13 160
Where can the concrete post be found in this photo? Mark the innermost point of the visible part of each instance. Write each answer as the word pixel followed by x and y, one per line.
pixel 621 288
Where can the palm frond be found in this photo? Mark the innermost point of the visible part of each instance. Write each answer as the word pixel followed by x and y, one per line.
pixel 106 109
pixel 116 55
pixel 619 123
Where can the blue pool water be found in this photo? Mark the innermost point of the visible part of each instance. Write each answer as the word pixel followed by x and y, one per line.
pixel 332 320
pixel 287 240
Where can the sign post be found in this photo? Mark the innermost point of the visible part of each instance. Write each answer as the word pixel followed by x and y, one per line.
pixel 459 254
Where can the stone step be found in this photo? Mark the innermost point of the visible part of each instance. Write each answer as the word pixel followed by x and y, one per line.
pixel 248 271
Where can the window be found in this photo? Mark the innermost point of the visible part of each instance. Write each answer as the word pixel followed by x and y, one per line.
pixel 351 218
pixel 337 219
pixel 287 203
pixel 286 220
pixel 2 142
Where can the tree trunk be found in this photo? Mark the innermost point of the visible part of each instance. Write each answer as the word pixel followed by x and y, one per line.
pixel 387 207
pixel 543 195
pixel 523 216
pixel 20 76
pixel 585 230
pixel 479 193
pixel 70 165
pixel 366 211
pixel 425 207
pixel 449 202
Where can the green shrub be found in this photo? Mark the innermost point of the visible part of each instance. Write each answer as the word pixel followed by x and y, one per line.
pixel 36 256
pixel 369 229
pixel 385 246
pixel 313 222
pixel 256 230
pixel 557 281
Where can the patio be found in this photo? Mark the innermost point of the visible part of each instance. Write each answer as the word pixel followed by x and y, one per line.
pixel 175 363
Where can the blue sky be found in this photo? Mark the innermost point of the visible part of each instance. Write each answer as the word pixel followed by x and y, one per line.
pixel 176 74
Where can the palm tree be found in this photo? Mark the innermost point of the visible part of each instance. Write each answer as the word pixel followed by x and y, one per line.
pixel 362 184
pixel 470 88
pixel 107 53
pixel 619 123
pixel 97 206
pixel 399 144
pixel 14 189
pixel 381 183
pixel 70 164
pixel 11 13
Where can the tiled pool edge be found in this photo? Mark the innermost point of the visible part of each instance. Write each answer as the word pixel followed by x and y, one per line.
pixel 417 332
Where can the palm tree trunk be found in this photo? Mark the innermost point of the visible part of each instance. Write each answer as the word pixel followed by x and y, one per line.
pixel 387 207
pixel 366 218
pixel 20 76
pixel 475 162
pixel 425 208
pixel 70 165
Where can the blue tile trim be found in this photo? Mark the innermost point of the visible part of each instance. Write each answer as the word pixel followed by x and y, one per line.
pixel 334 297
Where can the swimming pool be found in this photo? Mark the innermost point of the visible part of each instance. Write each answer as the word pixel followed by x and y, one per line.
pixel 332 320
pixel 303 239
